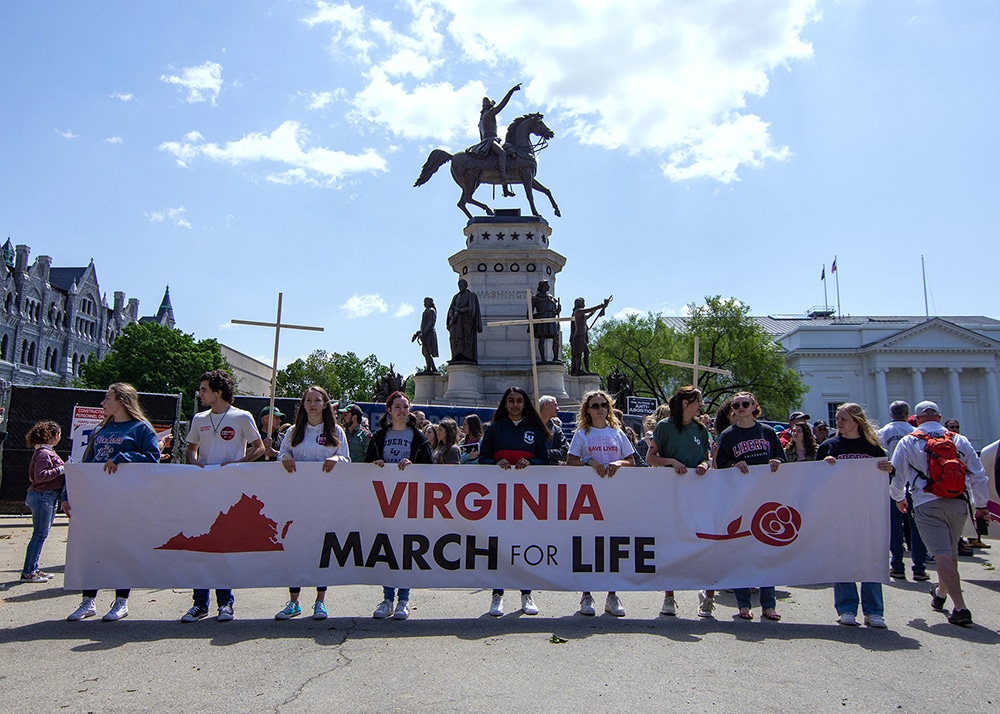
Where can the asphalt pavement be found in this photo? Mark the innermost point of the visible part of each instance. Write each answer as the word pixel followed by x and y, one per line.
pixel 452 656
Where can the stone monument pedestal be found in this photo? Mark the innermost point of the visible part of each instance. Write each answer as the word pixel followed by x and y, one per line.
pixel 504 259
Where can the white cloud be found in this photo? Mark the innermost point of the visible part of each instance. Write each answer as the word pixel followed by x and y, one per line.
pixel 321 100
pixel 172 215
pixel 363 305
pixel 125 97
pixel 68 134
pixel 626 312
pixel 403 310
pixel 668 77
pixel 113 140
pixel 202 82
pixel 286 145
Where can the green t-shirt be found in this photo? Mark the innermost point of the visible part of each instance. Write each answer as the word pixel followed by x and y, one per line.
pixel 688 446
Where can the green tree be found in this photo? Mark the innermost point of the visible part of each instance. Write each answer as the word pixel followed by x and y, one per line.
pixel 346 377
pixel 155 358
pixel 729 338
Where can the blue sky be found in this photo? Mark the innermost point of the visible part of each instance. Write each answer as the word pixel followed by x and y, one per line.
pixel 236 149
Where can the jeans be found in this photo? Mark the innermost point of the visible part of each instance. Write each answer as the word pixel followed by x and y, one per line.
pixel 918 552
pixel 845 598
pixel 767 598
pixel 43 512
pixel 390 593
pixel 222 597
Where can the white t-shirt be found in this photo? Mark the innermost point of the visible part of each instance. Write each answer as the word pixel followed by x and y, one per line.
pixel 602 445
pixel 313 446
pixel 222 437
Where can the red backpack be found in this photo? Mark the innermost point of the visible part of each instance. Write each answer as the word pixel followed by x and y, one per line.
pixel 945 471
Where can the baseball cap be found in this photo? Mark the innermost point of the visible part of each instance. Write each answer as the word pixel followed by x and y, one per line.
pixel 797 415
pixel 927 409
pixel 267 410
pixel 353 409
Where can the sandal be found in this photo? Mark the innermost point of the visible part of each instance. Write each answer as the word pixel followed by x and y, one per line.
pixel 770 614
pixel 745 614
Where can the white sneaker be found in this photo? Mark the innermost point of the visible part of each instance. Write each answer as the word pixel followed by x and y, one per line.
pixel 383 610
pixel 876 621
pixel 496 606
pixel 613 606
pixel 587 605
pixel 225 613
pixel 118 611
pixel 706 604
pixel 87 609
pixel 402 610
pixel 848 618
pixel 669 606
pixel 528 606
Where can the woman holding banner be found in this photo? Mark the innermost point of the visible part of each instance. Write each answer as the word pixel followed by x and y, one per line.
pixel 744 444
pixel 124 436
pixel 315 436
pixel 682 442
pixel 600 443
pixel 398 441
pixel 856 439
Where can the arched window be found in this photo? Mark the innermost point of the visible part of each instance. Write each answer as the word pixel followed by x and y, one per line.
pixel 24 351
pixel 76 364
pixel 31 354
pixel 54 367
pixel 9 302
pixel 3 347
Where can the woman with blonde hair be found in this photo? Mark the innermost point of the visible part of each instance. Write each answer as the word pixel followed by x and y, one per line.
pixel 600 443
pixel 124 436
pixel 856 439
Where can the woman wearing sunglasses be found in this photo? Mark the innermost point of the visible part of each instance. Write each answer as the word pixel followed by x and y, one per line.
pixel 744 444
pixel 600 443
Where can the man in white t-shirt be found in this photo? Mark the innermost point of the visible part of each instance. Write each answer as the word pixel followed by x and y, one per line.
pixel 220 436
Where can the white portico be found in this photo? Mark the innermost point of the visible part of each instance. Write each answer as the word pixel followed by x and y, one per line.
pixel 875 360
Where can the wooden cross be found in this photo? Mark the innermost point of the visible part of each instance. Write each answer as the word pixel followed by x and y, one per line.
pixel 277 325
pixel 695 367
pixel 531 322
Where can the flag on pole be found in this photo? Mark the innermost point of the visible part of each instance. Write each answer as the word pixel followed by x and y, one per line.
pixel 833 268
pixel 822 276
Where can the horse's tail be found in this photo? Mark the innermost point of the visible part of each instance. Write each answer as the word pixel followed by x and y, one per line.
pixel 437 159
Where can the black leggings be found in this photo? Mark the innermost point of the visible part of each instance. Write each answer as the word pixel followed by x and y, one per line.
pixel 120 592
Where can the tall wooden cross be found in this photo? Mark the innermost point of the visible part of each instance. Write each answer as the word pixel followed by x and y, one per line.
pixel 695 367
pixel 531 322
pixel 277 325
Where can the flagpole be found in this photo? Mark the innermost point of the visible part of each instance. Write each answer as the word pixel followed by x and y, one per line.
pixel 826 302
pixel 838 287
pixel 923 273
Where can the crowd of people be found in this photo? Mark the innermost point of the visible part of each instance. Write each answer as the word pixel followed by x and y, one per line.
pixel 915 451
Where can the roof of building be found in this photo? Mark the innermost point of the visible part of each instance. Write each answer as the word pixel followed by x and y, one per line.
pixel 65 277
pixel 776 325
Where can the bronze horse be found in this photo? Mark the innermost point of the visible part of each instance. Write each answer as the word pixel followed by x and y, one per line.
pixel 470 171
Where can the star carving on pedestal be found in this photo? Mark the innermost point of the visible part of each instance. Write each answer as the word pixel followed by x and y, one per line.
pixel 529 235
pixel 515 235
pixel 500 236
pixel 486 236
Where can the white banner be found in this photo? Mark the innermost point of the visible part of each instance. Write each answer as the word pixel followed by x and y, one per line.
pixel 545 527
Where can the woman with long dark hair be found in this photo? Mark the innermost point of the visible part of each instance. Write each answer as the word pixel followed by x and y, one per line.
pixel 46 480
pixel 124 436
pixel 856 439
pixel 398 441
pixel 472 436
pixel 682 442
pixel 315 436
pixel 446 435
pixel 802 446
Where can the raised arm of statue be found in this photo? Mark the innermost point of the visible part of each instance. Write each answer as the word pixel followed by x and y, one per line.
pixel 506 98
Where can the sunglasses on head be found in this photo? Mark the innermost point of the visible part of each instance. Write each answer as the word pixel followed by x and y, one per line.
pixel 598 405
pixel 741 405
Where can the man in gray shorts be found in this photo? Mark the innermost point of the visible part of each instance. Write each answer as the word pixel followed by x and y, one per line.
pixel 939 520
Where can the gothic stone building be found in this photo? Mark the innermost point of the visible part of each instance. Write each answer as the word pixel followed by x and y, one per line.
pixel 54 319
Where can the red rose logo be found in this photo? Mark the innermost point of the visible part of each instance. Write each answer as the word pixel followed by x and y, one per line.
pixel 775 524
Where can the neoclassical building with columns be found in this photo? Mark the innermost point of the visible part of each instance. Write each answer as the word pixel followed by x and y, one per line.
pixel 874 361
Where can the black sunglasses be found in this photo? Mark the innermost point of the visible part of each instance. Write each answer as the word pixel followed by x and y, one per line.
pixel 741 405
pixel 598 405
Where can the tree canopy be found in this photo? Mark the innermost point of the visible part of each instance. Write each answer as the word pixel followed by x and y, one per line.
pixel 155 358
pixel 346 377
pixel 729 338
